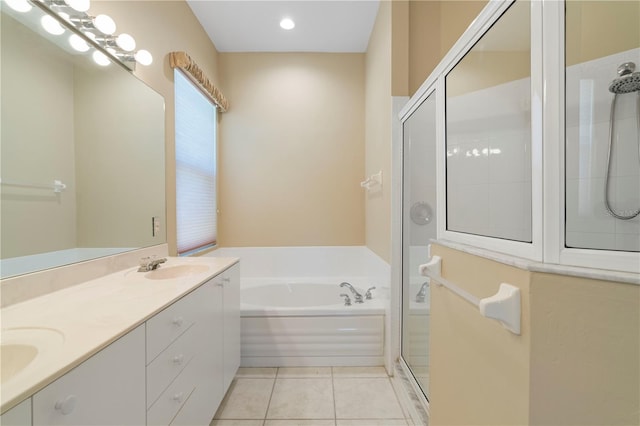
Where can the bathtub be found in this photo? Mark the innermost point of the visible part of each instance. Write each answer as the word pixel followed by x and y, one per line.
pixel 304 322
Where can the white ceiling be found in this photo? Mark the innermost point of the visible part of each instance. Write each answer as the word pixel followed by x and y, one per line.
pixel 321 25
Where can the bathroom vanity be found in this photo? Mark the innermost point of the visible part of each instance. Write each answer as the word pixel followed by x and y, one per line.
pixel 129 348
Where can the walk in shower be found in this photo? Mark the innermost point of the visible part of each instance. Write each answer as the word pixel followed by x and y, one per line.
pixel 602 175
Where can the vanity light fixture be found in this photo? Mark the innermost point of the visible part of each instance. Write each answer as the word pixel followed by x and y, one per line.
pixel 22 6
pixel 78 43
pixel 287 24
pixel 144 57
pixel 78 5
pixel 100 58
pixel 50 25
pixel 89 31
pixel 104 24
pixel 126 42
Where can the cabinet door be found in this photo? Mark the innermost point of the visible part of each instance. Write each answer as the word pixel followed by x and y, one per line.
pixel 107 389
pixel 20 415
pixel 207 362
pixel 231 332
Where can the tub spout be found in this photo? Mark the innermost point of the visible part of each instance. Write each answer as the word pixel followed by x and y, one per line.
pixel 423 292
pixel 357 297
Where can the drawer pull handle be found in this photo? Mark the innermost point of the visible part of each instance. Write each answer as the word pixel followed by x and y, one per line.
pixel 178 321
pixel 226 280
pixel 178 397
pixel 178 359
pixel 67 405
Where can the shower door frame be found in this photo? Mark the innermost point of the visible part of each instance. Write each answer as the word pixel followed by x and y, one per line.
pixel 553 162
pixel 547 251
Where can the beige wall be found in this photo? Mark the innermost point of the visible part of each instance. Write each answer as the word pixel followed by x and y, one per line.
pixel 424 41
pixel 434 28
pixel 36 220
pixel 585 351
pixel 575 362
pixel 479 373
pixel 378 117
pixel 400 52
pixel 162 27
pixel 600 28
pixel 292 149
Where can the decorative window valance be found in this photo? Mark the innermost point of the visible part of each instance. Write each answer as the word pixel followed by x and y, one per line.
pixel 184 62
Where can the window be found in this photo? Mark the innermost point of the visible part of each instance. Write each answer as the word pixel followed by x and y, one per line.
pixel 195 118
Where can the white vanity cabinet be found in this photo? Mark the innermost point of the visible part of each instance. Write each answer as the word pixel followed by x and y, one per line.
pixel 188 378
pixel 231 323
pixel 172 370
pixel 20 415
pixel 108 388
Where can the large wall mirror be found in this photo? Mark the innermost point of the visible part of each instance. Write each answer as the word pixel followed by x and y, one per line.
pixel 98 130
pixel 488 124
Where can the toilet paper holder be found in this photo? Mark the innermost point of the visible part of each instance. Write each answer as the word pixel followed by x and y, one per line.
pixel 504 306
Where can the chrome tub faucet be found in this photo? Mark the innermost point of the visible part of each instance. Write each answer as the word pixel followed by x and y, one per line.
pixel 357 297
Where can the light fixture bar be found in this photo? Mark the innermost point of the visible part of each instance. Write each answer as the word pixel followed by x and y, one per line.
pixel 97 32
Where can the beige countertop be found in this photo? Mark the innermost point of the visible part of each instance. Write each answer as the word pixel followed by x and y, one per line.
pixel 79 321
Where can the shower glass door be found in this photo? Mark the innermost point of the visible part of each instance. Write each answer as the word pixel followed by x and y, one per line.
pixel 418 227
pixel 602 125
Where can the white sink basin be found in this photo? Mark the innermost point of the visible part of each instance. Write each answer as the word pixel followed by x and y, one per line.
pixel 178 271
pixel 20 349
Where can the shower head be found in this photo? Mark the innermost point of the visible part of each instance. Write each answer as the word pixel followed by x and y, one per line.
pixel 628 81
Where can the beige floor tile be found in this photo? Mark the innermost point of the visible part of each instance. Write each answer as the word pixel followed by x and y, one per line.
pixel 313 422
pixel 372 422
pixel 301 399
pixel 366 398
pixel 242 422
pixel 246 399
pixel 257 372
pixel 300 372
pixel 359 372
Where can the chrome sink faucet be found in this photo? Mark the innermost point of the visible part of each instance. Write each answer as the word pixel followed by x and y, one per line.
pixel 357 297
pixel 423 292
pixel 150 263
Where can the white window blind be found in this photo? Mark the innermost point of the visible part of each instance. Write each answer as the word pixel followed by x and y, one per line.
pixel 195 122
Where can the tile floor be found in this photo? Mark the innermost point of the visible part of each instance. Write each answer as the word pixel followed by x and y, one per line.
pixel 311 396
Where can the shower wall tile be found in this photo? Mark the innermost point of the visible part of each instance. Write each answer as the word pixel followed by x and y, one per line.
pixel 510 210
pixel 585 207
pixel 588 103
pixel 627 242
pixel 605 241
pixel 489 162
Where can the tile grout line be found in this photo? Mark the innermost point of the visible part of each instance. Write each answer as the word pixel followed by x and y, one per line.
pixel 264 421
pixel 333 393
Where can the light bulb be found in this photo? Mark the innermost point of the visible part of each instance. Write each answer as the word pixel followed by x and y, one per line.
pixel 78 43
pixel 78 5
pixel 100 58
pixel 19 5
pixel 287 24
pixel 104 24
pixel 51 25
pixel 126 42
pixel 143 57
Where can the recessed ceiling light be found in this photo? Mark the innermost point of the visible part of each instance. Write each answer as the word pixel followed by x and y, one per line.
pixel 287 24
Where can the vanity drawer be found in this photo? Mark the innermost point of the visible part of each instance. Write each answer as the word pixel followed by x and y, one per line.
pixel 173 398
pixel 166 366
pixel 169 324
